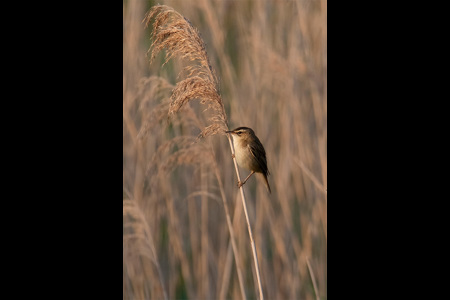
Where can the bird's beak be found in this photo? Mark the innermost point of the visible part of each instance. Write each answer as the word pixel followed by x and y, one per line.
pixel 229 131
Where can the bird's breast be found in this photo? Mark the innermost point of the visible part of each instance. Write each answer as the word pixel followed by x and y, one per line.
pixel 243 155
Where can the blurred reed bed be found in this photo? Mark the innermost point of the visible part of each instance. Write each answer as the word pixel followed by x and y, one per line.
pixel 270 62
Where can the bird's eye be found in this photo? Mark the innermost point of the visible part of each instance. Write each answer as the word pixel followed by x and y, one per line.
pixel 238 133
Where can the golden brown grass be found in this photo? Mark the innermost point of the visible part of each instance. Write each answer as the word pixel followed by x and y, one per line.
pixel 271 60
pixel 174 33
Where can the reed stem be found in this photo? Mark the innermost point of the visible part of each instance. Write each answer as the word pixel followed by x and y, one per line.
pixel 244 204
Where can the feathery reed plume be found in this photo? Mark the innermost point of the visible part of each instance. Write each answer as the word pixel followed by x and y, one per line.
pixel 174 33
pixel 158 88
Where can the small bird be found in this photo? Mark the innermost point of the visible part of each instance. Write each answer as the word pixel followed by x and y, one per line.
pixel 249 153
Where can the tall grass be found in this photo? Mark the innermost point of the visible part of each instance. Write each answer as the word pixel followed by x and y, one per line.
pixel 270 61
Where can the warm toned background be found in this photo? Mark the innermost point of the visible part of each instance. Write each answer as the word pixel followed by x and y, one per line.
pixel 271 58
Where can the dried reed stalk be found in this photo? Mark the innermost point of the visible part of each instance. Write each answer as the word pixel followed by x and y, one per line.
pixel 139 230
pixel 311 273
pixel 174 33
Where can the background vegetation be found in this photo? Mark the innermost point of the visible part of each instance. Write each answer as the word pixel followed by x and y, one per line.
pixel 270 58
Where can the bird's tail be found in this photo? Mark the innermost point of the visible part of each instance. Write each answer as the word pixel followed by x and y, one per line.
pixel 267 182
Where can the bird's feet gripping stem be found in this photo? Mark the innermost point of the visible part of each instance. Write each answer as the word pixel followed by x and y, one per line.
pixel 241 183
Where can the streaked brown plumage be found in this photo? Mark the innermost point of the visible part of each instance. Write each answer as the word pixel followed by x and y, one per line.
pixel 250 153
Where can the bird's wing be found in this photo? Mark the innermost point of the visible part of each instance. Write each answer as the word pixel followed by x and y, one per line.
pixel 260 156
